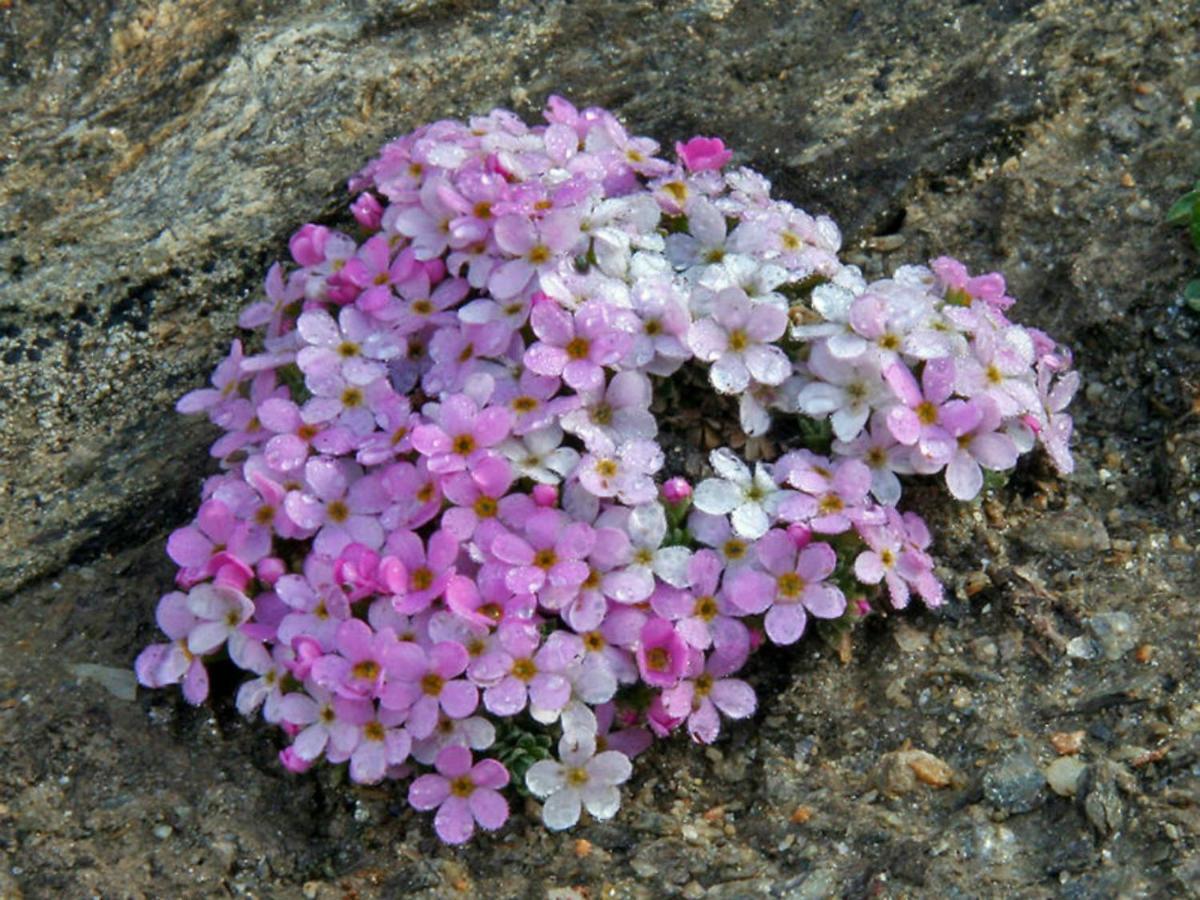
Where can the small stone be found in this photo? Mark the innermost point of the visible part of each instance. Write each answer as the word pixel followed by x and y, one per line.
pixel 899 772
pixel 1015 784
pixel 162 832
pixel 909 639
pixel 1115 632
pixel 121 683
pixel 1063 775
pixel 1144 653
pixel 802 814
pixel 583 848
pixel 311 889
pixel 1066 742
pixel 1082 648
pixel 1100 800
pixel 1077 530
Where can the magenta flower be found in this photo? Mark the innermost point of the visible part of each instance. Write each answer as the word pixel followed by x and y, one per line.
pixel 476 496
pixel 924 416
pixel 463 794
pixel 701 153
pixel 792 587
pixel 199 549
pixel 662 653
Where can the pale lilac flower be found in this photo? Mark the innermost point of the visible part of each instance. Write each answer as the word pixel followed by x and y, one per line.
pixel 1053 423
pixel 475 732
pixel 703 614
pixel 704 242
pixel 625 472
pixel 540 456
pixel 161 664
pixel 380 742
pixel 353 346
pixel 738 340
pixel 220 611
pixel 583 778
pixel 578 347
pixel 753 499
pixel 849 389
pixel 978 446
pixel 323 719
pixel 883 455
pixel 620 411
pixel 897 555
pixel 533 248
pixel 267 689
pixel 200 549
pixel 463 794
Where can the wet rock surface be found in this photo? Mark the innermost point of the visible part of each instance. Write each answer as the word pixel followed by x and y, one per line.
pixel 155 159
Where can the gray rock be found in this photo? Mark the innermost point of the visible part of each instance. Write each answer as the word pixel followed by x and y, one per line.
pixel 1100 796
pixel 1015 784
pixel 1077 530
pixel 121 683
pixel 1115 632
pixel 1063 775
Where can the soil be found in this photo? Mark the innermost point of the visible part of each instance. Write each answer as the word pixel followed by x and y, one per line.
pixel 1039 736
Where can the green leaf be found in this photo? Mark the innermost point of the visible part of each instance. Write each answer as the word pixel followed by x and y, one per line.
pixel 1194 227
pixel 1191 295
pixel 1183 208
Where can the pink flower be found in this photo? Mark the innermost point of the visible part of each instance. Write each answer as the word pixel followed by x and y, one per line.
pixel 363 660
pixel 701 153
pixel 463 794
pixel 792 586
pixel 533 249
pixel 162 664
pixel 425 682
pixel 699 696
pixel 552 552
pixel 461 433
pixel 518 671
pixel 898 556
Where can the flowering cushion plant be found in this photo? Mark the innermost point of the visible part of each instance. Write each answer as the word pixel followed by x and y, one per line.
pixel 444 537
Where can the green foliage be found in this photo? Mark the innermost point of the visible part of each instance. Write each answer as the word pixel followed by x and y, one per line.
pixel 518 746
pixel 1186 212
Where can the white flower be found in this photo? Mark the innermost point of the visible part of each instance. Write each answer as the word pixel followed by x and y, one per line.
pixel 540 455
pixel 583 778
pixel 752 499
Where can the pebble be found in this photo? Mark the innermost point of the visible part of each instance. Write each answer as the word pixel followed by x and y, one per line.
pixel 162 832
pixel 1077 530
pixel 1115 633
pixel 1015 784
pixel 1063 775
pixel 121 683
pixel 1101 802
pixel 1067 742
pixel 899 772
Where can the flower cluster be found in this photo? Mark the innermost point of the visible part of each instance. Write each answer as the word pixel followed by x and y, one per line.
pixel 442 512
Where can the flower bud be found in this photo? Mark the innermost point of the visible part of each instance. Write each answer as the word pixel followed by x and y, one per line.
pixel 545 495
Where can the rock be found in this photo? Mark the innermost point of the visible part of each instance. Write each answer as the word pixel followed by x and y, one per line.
pixel 1077 530
pixel 1115 633
pixel 1100 796
pixel 121 683
pixel 1083 648
pixel 1063 775
pixel 899 772
pixel 1015 784
pixel 1067 742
